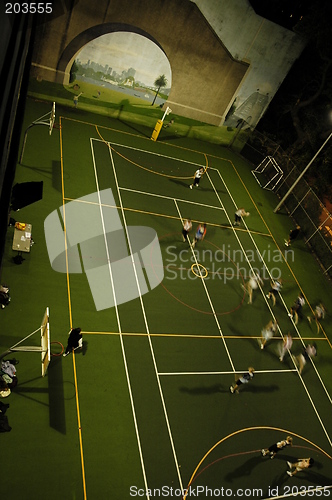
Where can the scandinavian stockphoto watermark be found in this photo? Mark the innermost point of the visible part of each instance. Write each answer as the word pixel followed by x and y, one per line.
pixel 87 236
pixel 224 263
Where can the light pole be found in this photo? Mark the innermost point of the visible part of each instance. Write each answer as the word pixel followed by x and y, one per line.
pixel 301 175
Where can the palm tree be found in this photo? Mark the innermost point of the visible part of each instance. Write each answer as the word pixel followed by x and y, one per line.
pixel 161 81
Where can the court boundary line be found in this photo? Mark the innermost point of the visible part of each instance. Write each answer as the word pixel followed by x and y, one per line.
pixel 172 146
pixel 237 372
pixel 190 335
pixel 245 429
pixel 151 152
pixel 276 244
pixel 110 147
pixel 147 329
pixel 119 326
pixel 295 326
pixel 279 293
pixel 170 198
pixel 208 295
pixel 165 215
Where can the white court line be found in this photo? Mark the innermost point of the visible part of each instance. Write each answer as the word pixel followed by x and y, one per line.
pixel 170 198
pixel 147 328
pixel 119 325
pixel 262 260
pixel 170 374
pixel 152 153
pixel 280 295
pixel 208 296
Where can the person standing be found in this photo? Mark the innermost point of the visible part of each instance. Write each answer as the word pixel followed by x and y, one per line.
pixel 252 285
pixel 318 315
pixel 200 234
pixel 239 214
pixel 169 124
pixel 293 234
pixel 301 464
pixel 296 309
pixel 268 332
pixel 308 352
pixel 197 177
pixel 187 227
pixel 76 99
pixel 75 340
pixel 244 379
pixel 275 448
pixel 274 290
pixel 285 346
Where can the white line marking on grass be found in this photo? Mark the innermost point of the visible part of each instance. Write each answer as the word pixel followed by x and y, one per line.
pixel 170 198
pixel 267 303
pixel 147 328
pixel 119 326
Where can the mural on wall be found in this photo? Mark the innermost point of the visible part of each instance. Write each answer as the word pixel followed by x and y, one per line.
pixel 127 63
pixel 248 113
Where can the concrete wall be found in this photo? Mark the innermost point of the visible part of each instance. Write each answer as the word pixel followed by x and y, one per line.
pixel 219 50
pixel 269 49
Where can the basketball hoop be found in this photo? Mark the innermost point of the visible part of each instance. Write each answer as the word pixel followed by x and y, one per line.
pixel 48 120
pixel 52 119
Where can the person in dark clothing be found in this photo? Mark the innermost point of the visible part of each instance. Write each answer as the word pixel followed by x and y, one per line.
pixel 276 447
pixel 244 379
pixel 75 340
pixel 293 234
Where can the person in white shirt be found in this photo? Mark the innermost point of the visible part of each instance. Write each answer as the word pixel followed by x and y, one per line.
pixel 318 315
pixel 296 309
pixel 285 346
pixel 187 227
pixel 197 177
pixel 252 285
pixel 239 214
pixel 268 331
pixel 274 290
pixel 301 464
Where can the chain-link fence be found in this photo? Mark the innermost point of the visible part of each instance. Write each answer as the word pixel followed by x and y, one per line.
pixel 303 204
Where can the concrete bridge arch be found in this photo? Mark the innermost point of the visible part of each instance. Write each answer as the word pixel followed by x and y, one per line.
pixel 204 75
pixel 70 53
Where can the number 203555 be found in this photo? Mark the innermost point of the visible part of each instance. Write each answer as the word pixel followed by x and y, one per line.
pixel 28 8
pixel 307 491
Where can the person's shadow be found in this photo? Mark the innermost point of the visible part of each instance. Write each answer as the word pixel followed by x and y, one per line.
pixel 244 470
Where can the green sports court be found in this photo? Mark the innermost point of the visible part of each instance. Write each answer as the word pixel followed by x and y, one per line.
pixel 144 409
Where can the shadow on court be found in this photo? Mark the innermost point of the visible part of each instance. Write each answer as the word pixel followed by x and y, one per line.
pixel 56 396
pixel 198 391
pixel 185 184
pixel 244 470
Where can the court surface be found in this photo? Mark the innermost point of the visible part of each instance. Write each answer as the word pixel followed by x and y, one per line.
pixel 145 409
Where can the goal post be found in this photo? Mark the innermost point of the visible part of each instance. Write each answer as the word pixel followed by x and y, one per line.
pixel 268 174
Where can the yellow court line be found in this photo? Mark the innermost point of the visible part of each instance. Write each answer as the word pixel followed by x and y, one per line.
pixel 190 335
pixel 146 212
pixel 137 164
pixel 276 244
pixel 79 426
pixel 140 137
pixel 70 313
pixel 287 432
pixel 64 224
